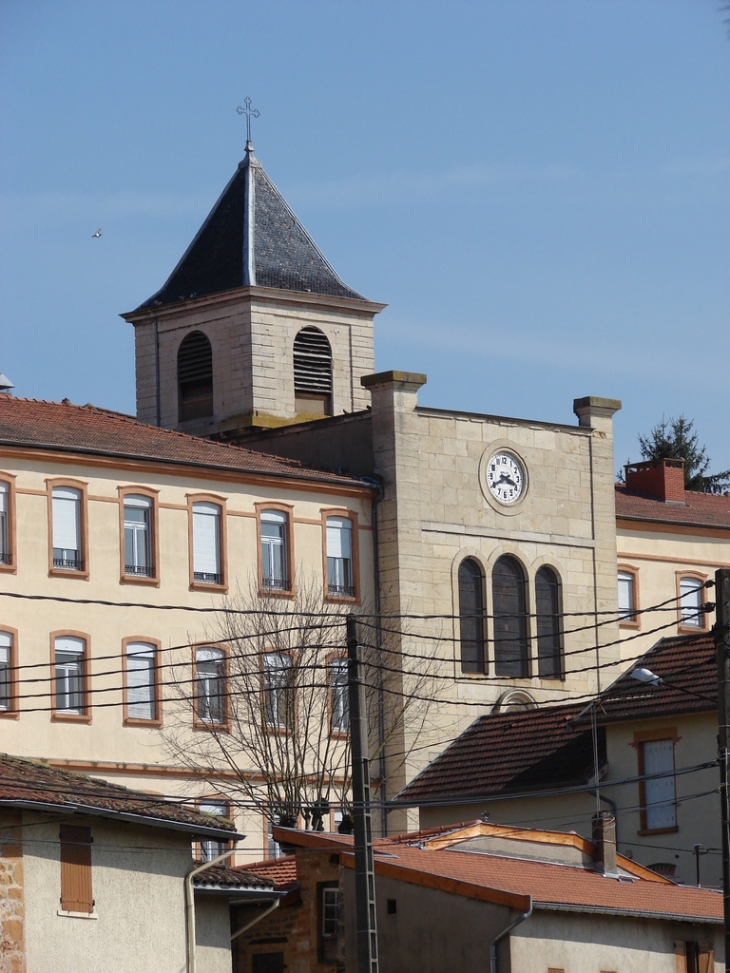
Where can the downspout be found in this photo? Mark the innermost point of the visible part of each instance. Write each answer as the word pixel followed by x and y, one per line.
pixel 267 910
pixel 377 482
pixel 190 903
pixel 505 932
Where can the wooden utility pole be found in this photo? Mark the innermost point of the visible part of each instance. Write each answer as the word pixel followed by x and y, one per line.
pixel 367 930
pixel 722 645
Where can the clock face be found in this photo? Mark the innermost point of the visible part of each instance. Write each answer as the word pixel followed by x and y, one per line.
pixel 505 478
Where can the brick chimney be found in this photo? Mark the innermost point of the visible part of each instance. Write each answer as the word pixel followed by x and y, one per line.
pixel 662 479
pixel 604 843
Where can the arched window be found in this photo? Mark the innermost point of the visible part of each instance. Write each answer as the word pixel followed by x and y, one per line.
pixel 547 606
pixel 312 373
pixel 471 616
pixel 195 377
pixel 511 644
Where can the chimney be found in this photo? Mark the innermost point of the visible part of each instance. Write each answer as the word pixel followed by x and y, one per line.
pixel 662 479
pixel 604 843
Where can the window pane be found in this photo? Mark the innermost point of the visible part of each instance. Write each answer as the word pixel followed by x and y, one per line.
pixel 339 700
pixel 659 791
pixel 547 604
pixel 206 543
pixel 66 514
pixel 471 616
pixel 511 646
pixel 6 645
pixel 4 525
pixel 137 536
pixel 210 676
pixel 209 848
pixel 274 562
pixel 141 703
pixel 690 590
pixel 278 692
pixel 626 604
pixel 69 666
pixel 339 556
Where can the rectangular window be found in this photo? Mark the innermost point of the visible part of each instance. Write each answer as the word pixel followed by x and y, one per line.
pixel 339 702
pixel 6 672
pixel 659 788
pixel 138 536
pixel 328 923
pixel 267 963
pixel 210 849
pixel 5 554
pixel 690 600
pixel 626 597
pixel 70 661
pixel 340 580
pixel 66 512
pixel 210 675
pixel 141 681
pixel 278 691
pixel 274 550
pixel 76 869
pixel 207 543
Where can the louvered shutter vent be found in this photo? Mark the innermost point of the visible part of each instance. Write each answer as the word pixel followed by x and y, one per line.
pixel 76 869
pixel 195 377
pixel 312 362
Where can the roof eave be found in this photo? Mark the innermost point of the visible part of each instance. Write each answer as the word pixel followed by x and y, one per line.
pixel 634 913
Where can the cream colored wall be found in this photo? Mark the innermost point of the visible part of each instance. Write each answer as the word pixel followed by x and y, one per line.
pixel 658 557
pixel 591 943
pixel 136 756
pixel 435 512
pixel 698 808
pixel 137 886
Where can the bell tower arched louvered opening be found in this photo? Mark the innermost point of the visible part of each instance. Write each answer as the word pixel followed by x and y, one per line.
pixel 312 373
pixel 195 377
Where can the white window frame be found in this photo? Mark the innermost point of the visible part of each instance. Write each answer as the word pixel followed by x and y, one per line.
pixel 339 699
pixel 210 848
pixel 277 669
pixel 210 685
pixel 206 541
pixel 274 543
pixel 6 672
pixel 690 601
pixel 69 678
pixel 141 680
pixel 340 564
pixel 139 534
pixel 5 552
pixel 627 584
pixel 66 503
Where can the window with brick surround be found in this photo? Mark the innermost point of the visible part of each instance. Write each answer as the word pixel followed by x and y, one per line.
pixel 76 869
pixel 7 673
pixel 691 593
pixel 66 506
pixel 328 922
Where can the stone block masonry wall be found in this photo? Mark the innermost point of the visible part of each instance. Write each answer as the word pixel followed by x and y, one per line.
pixel 12 904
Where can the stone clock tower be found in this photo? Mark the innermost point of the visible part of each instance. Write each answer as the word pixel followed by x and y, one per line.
pixel 253 328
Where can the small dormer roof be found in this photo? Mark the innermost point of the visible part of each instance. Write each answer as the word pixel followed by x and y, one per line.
pixel 251 237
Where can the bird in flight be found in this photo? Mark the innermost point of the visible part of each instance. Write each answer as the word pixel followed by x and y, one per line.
pixel 97 234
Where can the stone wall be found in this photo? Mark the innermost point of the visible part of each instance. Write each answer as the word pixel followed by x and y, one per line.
pixel 12 900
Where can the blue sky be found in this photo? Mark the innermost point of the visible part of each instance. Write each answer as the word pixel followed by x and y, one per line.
pixel 537 188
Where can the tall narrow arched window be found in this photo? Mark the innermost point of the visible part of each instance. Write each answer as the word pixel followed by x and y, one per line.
pixel 547 607
pixel 471 617
pixel 195 377
pixel 312 373
pixel 511 642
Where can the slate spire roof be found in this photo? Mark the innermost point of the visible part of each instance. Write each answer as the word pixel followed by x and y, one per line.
pixel 250 238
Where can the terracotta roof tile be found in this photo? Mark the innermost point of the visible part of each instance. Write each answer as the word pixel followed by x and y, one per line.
pixel 32 783
pixel 281 871
pixel 700 509
pixel 87 429
pixel 510 752
pixel 220 876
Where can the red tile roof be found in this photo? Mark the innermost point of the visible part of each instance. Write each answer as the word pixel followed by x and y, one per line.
pixel 32 784
pixel 700 509
pixel 550 886
pixel 509 752
pixel 688 665
pixel 222 877
pixel 87 429
pixel 281 871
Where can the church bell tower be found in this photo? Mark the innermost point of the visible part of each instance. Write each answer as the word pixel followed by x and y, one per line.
pixel 253 328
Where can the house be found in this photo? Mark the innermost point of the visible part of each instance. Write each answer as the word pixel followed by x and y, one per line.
pixel 96 876
pixel 655 761
pixel 670 542
pixel 476 896
pixel 122 543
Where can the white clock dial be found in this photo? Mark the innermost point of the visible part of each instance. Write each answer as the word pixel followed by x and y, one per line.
pixel 505 478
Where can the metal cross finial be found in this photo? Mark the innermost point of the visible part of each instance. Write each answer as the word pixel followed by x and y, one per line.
pixel 248 111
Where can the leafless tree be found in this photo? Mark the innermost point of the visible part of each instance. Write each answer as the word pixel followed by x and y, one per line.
pixel 268 692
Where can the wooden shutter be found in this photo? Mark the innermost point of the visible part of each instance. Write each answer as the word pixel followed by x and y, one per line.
pixel 76 869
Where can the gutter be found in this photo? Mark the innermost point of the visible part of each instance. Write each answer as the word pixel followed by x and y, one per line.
pixel 505 932
pixel 637 913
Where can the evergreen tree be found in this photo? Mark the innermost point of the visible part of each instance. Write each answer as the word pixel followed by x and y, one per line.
pixel 674 439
